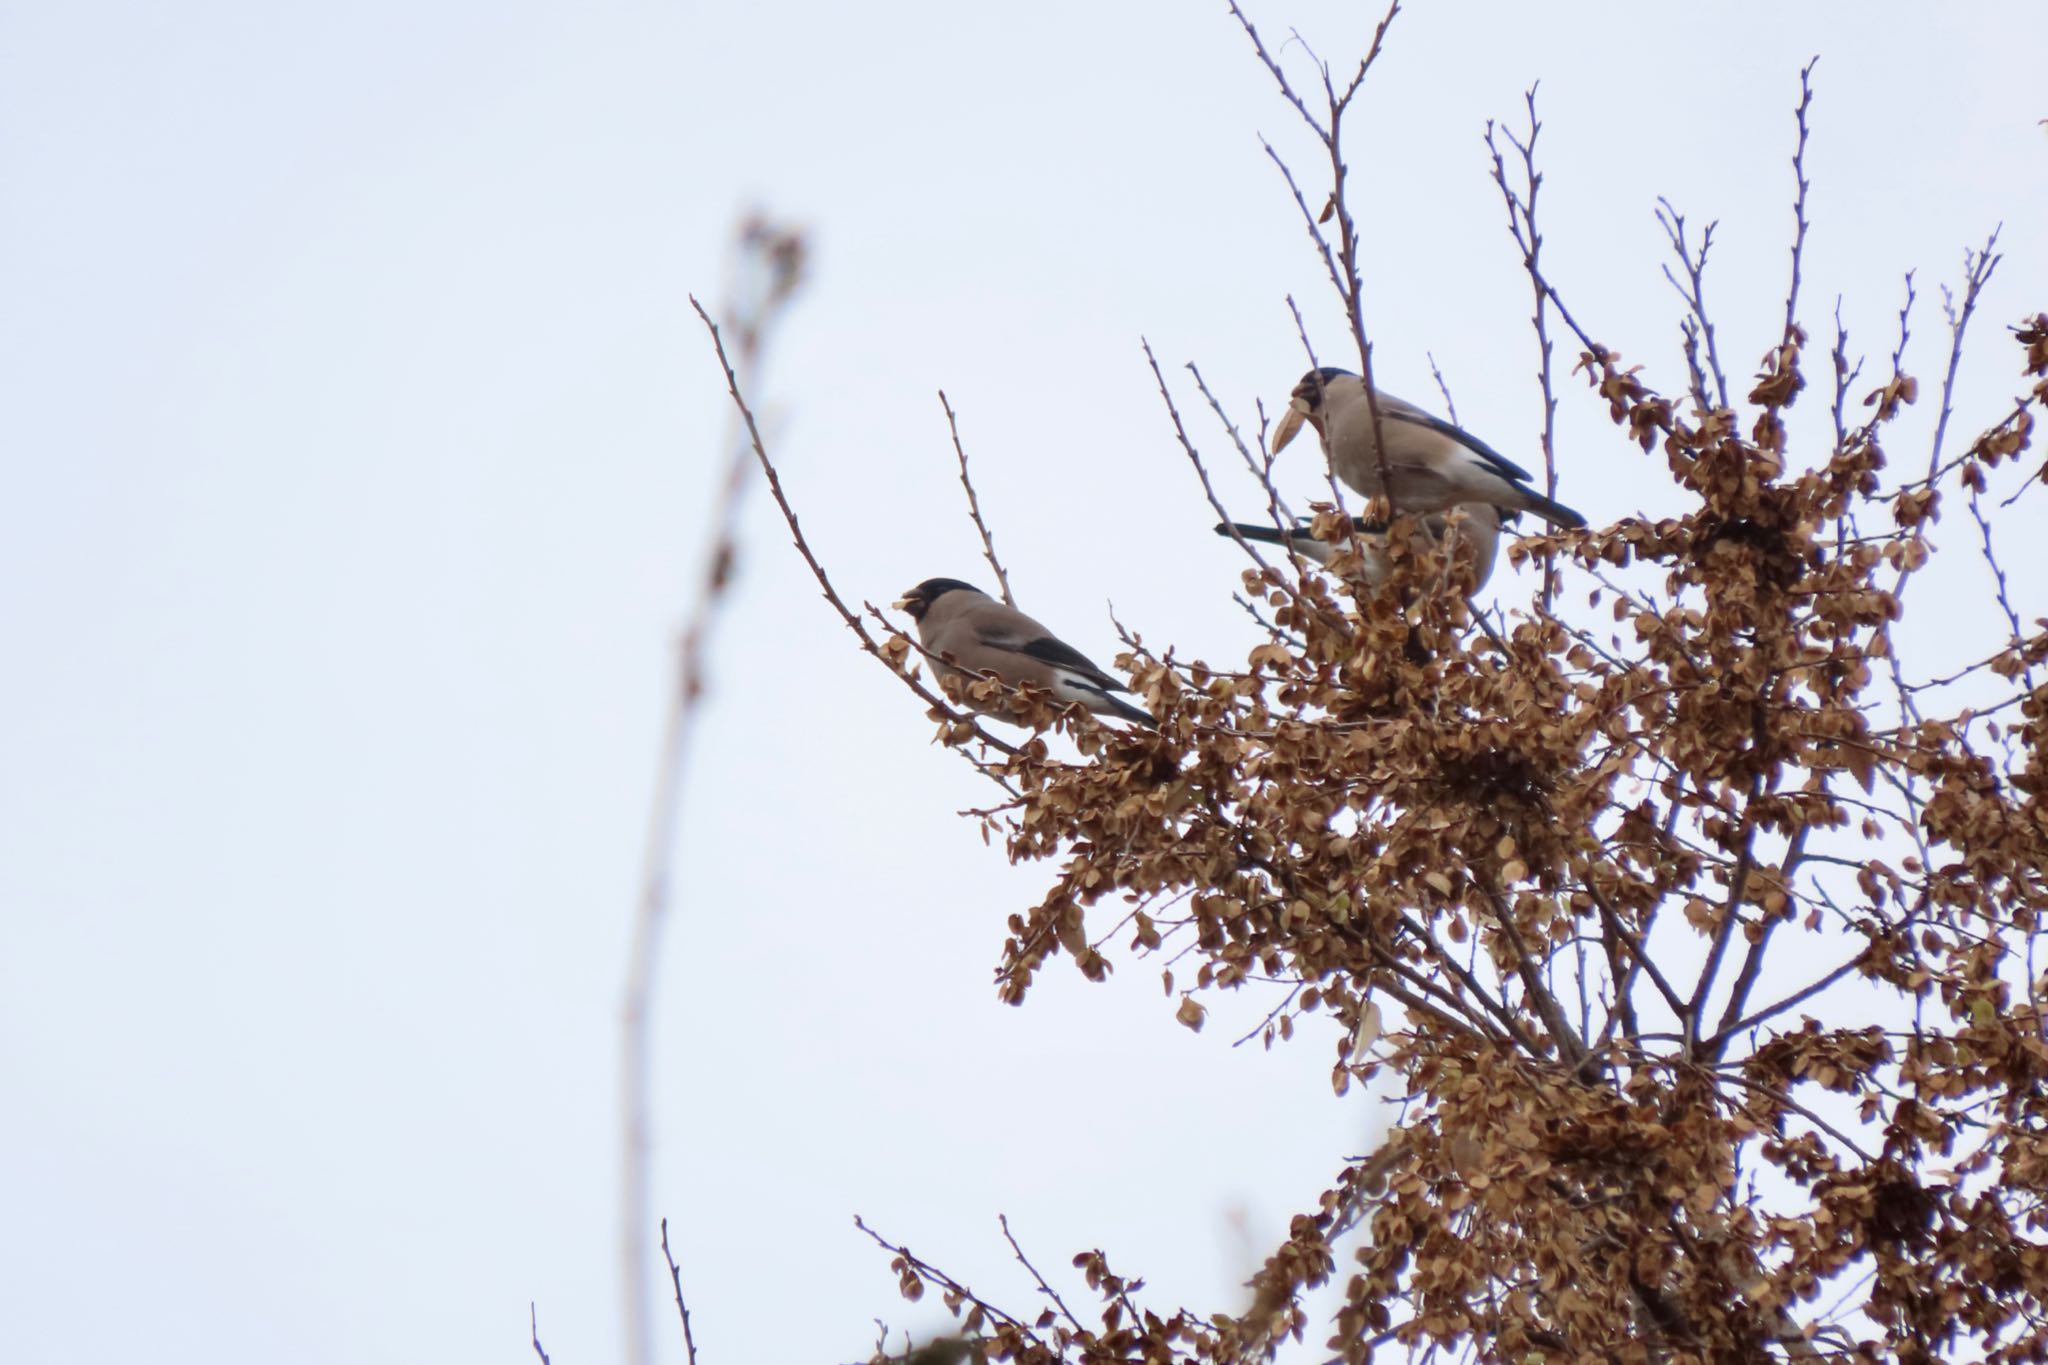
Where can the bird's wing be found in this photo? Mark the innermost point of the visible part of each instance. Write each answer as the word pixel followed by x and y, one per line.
pixel 1020 635
pixel 994 627
pixel 1061 655
pixel 1396 410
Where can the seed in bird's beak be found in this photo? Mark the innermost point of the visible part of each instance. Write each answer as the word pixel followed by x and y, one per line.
pixel 1290 422
pixel 905 602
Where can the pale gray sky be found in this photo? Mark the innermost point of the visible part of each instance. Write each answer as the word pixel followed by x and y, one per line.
pixel 357 437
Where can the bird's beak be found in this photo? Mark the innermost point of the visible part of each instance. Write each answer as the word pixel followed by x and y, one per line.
pixel 1290 422
pixel 906 602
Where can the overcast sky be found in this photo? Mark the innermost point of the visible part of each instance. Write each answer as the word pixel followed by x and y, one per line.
pixel 358 440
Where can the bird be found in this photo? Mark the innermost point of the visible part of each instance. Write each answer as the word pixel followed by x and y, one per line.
pixel 1431 464
pixel 975 634
pixel 1474 528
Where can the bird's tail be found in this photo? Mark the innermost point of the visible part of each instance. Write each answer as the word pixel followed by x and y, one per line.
pixel 1268 535
pixel 1296 538
pixel 1123 710
pixel 1096 692
pixel 1556 513
pixel 1244 530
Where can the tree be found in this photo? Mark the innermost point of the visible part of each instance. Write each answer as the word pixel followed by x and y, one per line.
pixel 1697 922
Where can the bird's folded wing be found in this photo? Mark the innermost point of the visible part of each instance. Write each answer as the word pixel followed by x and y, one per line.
pixel 1058 653
pixel 1403 412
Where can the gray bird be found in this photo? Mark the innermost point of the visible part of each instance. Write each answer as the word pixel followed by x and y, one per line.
pixel 1473 526
pixel 1431 464
pixel 960 622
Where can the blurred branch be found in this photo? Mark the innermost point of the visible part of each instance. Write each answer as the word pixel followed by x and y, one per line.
pixel 770 268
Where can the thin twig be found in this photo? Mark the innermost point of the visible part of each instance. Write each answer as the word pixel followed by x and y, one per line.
pixel 1977 270
pixel 1342 260
pixel 1714 1046
pixel 1261 466
pixel 1816 1120
pixel 1799 200
pixel 1522 220
pixel 1845 375
pixel 1470 980
pixel 2012 616
pixel 1195 459
pixel 1450 406
pixel 988 544
pixel 1329 471
pixel 1637 951
pixel 931 1272
pixel 1286 639
pixel 1693 290
pixel 675 1278
pixel 533 1322
pixel 1753 960
pixel 1731 909
pixel 1569 1044
pixel 1043 1287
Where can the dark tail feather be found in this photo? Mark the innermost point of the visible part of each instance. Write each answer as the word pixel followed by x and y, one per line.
pixel 1265 535
pixel 1122 710
pixel 1556 513
pixel 1296 539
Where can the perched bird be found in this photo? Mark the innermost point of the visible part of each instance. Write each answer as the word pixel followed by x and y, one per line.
pixel 960 622
pixel 1431 464
pixel 1473 528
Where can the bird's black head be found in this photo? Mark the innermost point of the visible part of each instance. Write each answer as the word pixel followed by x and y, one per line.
pixel 1312 385
pixel 918 600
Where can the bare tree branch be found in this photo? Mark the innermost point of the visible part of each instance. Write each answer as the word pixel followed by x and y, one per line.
pixel 1342 260
pixel 533 1324
pixel 1799 199
pixel 1693 290
pixel 1522 223
pixel 675 1278
pixel 988 544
